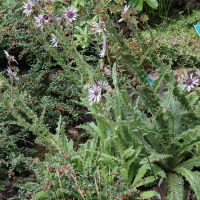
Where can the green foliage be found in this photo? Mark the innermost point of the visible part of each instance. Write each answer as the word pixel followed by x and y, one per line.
pixel 131 144
pixel 41 196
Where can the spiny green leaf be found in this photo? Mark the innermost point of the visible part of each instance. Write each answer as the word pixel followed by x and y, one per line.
pixel 191 178
pixel 175 190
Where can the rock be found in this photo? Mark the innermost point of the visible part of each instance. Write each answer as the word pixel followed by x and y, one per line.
pixel 191 5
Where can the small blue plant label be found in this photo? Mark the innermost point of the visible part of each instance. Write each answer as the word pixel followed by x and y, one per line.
pixel 197 26
pixel 149 79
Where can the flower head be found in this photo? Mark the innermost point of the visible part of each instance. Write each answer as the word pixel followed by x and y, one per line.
pixel 28 7
pixel 189 82
pixel 124 13
pixel 12 74
pixel 49 6
pixel 59 20
pixel 99 27
pixel 9 57
pixel 94 94
pixel 54 41
pixel 179 182
pixel 41 20
pixel 70 14
pixel 103 85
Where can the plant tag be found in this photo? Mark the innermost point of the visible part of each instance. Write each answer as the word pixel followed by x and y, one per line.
pixel 149 79
pixel 197 26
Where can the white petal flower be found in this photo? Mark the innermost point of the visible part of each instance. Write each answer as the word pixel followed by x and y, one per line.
pixel 54 41
pixel 70 14
pixel 12 74
pixel 28 7
pixel 94 94
pixel 99 27
pixel 189 82
pixel 41 20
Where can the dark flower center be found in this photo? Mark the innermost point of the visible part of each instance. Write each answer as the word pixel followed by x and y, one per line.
pixel 189 82
pixel 28 7
pixel 70 14
pixel 45 17
pixel 96 93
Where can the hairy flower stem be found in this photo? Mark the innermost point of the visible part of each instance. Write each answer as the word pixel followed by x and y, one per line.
pixel 147 155
pixel 72 33
pixel 11 84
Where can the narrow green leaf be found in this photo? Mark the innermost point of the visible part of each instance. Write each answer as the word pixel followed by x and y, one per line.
pixel 158 81
pixel 140 174
pixel 114 76
pixel 189 164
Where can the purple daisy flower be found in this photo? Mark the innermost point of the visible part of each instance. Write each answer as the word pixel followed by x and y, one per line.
pixel 12 74
pixel 94 94
pixel 70 14
pixel 28 7
pixel 179 182
pixel 41 20
pixel 9 57
pixel 189 82
pixel 54 41
pixel 98 27
pixel 59 20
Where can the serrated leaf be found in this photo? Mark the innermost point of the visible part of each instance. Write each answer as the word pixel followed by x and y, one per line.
pixel 150 194
pixel 124 173
pixel 191 178
pixel 140 174
pixel 175 187
pixel 154 158
pixel 189 164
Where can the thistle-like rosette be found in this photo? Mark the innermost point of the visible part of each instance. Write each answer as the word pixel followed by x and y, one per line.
pixel 189 82
pixel 94 94
pixel 70 14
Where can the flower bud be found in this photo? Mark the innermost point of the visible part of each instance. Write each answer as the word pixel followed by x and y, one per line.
pixel 104 18
pixel 113 8
pixel 98 11
pixel 144 18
